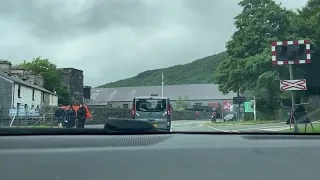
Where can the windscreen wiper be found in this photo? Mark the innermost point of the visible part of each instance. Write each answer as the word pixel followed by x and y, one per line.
pixel 129 125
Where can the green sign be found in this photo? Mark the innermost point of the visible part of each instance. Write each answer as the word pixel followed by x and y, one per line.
pixel 248 107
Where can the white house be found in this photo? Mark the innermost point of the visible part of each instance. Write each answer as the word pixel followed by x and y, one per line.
pixel 15 92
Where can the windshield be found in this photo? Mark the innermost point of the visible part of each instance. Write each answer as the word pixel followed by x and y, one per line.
pixel 151 105
pixel 187 65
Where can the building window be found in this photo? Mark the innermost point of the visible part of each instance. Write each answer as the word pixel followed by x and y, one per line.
pixel 126 106
pixel 19 91
pixel 43 99
pixel 33 91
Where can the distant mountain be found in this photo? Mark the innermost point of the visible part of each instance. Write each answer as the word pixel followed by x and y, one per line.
pixel 197 72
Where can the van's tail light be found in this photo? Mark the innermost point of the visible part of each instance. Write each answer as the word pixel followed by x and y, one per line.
pixel 169 110
pixel 133 112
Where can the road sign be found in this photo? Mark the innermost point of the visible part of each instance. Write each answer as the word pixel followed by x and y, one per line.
pixel 291 52
pixel 227 105
pixel 248 106
pixel 293 85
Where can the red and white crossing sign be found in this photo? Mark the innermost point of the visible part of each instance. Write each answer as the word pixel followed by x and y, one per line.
pixel 227 105
pixel 293 85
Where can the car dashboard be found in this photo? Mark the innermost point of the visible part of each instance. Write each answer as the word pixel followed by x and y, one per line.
pixel 160 156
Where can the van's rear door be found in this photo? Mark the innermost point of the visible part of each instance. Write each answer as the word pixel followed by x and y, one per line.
pixel 153 110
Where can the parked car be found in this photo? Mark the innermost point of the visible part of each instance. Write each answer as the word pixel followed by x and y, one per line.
pixel 229 117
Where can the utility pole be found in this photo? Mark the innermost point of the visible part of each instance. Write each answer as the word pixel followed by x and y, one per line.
pixel 254 109
pixel 238 96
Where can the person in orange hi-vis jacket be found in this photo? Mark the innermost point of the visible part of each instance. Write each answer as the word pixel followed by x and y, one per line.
pixel 88 114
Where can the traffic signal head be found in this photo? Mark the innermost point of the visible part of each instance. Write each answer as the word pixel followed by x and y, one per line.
pixel 291 52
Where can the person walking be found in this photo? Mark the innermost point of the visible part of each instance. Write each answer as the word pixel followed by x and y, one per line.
pixel 81 116
pixel 60 115
pixel 70 116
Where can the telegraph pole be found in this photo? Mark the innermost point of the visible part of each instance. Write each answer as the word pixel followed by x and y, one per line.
pixel 238 95
pixel 254 109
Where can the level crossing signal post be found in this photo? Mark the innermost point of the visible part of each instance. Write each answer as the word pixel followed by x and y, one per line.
pixel 291 53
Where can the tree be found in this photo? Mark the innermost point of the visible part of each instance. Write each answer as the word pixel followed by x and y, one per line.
pixel 51 77
pixel 248 65
pixel 182 103
pixel 185 102
pixel 179 104
pixel 307 24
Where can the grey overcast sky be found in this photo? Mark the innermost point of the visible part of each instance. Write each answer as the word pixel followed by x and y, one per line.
pixel 114 39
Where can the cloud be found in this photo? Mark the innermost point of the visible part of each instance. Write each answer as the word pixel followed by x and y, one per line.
pixel 115 39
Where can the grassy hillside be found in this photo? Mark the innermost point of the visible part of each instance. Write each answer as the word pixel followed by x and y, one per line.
pixel 197 72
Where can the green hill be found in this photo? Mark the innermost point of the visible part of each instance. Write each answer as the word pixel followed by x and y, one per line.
pixel 197 72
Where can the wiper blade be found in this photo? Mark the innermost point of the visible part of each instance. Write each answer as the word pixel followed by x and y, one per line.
pixel 129 125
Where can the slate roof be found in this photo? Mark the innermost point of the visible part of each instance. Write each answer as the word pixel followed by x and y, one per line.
pixel 22 82
pixel 193 91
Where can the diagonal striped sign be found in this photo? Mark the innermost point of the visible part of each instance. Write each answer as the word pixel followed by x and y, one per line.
pixel 293 85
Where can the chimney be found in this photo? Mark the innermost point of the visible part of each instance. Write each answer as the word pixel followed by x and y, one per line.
pixel 5 66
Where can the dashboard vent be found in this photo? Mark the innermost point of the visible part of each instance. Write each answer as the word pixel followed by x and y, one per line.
pixel 47 142
pixel 142 140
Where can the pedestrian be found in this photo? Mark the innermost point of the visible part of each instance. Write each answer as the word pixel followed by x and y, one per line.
pixel 213 117
pixel 70 117
pixel 81 116
pixel 197 115
pixel 60 115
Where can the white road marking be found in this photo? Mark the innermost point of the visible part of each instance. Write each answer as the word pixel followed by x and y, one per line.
pixel 221 130
pixel 276 129
pixel 261 128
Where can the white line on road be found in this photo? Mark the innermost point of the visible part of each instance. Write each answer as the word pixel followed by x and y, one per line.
pixel 276 129
pixel 261 128
pixel 221 130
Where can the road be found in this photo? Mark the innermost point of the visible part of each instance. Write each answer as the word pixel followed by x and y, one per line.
pixel 216 127
pixel 202 126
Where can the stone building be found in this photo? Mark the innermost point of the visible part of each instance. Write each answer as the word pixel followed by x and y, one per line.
pixel 73 79
pixel 18 89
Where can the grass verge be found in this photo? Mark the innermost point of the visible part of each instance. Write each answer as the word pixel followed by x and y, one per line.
pixel 316 127
pixel 240 123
